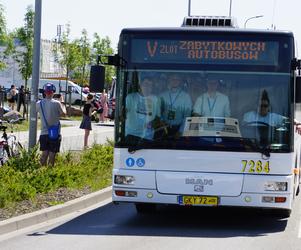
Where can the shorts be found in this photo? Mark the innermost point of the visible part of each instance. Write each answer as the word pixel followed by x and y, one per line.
pixel 50 145
pixel 12 100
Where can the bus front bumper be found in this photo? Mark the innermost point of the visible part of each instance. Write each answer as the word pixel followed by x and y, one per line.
pixel 259 200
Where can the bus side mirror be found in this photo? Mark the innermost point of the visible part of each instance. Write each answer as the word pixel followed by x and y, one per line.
pixel 298 89
pixel 97 78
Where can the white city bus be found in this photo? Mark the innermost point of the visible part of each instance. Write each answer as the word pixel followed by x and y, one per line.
pixel 211 160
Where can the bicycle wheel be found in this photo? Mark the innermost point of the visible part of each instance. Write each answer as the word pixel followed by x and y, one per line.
pixel 4 153
pixel 14 146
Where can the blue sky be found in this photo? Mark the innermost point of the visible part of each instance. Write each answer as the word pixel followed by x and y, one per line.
pixel 107 18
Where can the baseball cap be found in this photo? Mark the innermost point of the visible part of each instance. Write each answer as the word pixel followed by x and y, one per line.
pixel 49 88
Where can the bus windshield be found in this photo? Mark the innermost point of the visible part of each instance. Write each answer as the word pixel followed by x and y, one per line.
pixel 240 111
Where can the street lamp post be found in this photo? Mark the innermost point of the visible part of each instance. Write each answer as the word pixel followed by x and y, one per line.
pixel 253 17
pixel 35 74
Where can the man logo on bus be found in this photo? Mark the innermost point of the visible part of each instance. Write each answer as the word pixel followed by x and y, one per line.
pixel 198 188
pixel 152 49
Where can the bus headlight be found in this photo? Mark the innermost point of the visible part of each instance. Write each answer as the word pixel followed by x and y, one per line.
pixel 275 186
pixel 124 179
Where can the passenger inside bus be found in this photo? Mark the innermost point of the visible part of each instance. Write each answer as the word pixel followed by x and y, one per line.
pixel 212 103
pixel 142 111
pixel 176 105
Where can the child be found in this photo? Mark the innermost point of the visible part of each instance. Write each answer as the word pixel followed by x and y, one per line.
pixel 86 121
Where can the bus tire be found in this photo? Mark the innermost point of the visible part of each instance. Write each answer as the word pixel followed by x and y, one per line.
pixel 145 208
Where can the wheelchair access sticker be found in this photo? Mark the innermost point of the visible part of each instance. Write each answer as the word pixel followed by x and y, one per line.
pixel 130 162
pixel 140 162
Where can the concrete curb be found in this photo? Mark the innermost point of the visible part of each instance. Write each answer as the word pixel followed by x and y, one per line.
pixel 50 213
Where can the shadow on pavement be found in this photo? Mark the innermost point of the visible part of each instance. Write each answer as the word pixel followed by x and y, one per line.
pixel 173 222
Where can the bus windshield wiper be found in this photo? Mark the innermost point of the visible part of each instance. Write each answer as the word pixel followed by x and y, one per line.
pixel 138 144
pixel 265 150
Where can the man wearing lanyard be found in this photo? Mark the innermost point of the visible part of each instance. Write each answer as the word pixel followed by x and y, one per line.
pixel 142 111
pixel 176 105
pixel 212 103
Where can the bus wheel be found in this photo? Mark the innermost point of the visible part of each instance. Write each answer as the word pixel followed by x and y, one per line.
pixel 145 208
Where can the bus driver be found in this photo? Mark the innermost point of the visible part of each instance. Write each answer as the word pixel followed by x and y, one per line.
pixel 263 114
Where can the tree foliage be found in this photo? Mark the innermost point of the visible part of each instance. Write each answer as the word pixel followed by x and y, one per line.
pixel 82 72
pixel 77 56
pixel 5 40
pixel 67 52
pixel 24 52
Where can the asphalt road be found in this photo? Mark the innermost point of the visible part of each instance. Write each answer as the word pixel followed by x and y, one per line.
pixel 109 226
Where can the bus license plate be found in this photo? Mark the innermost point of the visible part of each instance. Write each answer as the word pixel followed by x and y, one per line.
pixel 198 200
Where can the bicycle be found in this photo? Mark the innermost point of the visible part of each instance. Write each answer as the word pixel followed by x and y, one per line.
pixel 9 146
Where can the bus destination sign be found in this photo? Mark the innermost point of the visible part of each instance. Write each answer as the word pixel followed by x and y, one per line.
pixel 205 52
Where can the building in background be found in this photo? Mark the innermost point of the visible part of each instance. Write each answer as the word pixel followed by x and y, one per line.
pixel 49 68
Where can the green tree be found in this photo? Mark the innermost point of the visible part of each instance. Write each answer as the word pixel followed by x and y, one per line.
pixel 102 46
pixel 84 60
pixel 6 43
pixel 67 52
pixel 23 53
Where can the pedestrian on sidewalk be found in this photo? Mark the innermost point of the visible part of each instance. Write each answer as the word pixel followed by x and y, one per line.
pixel 86 120
pixel 104 105
pixel 50 111
pixel 11 97
pixel 21 100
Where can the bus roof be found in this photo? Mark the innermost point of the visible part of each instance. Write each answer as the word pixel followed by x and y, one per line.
pixel 206 30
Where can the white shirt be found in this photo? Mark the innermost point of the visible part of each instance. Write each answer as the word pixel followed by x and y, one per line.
pixel 140 111
pixel 176 107
pixel 217 106
pixel 272 119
